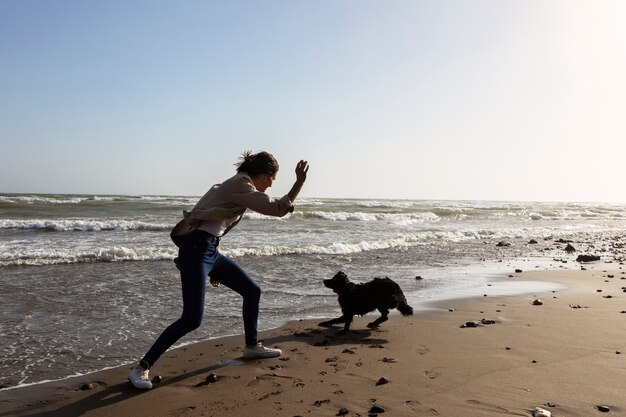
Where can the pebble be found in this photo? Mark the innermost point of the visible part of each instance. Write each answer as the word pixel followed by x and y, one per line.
pixel 377 409
pixel 157 379
pixel 537 302
pixel 488 321
pixel 518 271
pixel 540 412
pixel 603 408
pixel 88 386
pixel 382 381
pixel 211 378
pixel 343 412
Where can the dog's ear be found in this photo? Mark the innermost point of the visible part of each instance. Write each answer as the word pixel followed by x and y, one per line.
pixel 341 277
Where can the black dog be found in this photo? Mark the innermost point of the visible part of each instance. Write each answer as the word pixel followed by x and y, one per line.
pixel 380 293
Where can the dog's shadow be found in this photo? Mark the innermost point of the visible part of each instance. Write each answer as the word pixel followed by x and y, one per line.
pixel 331 336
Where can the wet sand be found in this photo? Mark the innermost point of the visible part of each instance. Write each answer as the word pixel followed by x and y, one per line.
pixel 567 355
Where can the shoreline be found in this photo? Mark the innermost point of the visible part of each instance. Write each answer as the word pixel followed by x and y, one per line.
pixel 431 364
pixel 495 285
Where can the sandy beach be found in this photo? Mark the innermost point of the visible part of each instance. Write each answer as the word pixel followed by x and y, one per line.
pixel 566 355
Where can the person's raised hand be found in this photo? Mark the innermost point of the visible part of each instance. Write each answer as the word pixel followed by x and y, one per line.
pixel 301 170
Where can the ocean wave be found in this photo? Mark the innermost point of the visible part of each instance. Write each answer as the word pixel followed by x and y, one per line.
pixel 82 225
pixel 37 199
pixel 32 257
pixel 11 255
pixel 345 248
pixel 401 218
pixel 49 199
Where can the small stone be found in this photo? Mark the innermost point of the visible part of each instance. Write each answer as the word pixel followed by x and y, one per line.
pixel 569 248
pixel 537 302
pixel 211 378
pixel 418 278
pixel 507 348
pixel 488 321
pixel 343 412
pixel 377 409
pixel 88 386
pixel 451 310
pixel 157 379
pixel 540 412
pixel 471 324
pixel 532 242
pixel 534 361
pixel 518 271
pixel 607 296
pixel 603 408
pixel 382 381
pixel 502 243
pixel 587 258
pixel 618 352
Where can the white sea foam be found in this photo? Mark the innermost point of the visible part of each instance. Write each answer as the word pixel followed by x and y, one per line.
pixel 55 256
pixel 81 225
pixel 401 218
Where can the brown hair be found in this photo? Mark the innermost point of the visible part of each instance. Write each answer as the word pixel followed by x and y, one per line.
pixel 258 163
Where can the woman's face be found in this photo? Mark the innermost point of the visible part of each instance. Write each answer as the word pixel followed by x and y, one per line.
pixel 263 181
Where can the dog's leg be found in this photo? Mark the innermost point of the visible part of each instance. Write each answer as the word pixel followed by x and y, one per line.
pixel 329 323
pixel 348 321
pixel 383 318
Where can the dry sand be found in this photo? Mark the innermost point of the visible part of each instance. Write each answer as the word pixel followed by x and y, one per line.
pixel 557 356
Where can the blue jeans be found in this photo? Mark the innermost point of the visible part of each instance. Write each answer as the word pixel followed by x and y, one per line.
pixel 198 258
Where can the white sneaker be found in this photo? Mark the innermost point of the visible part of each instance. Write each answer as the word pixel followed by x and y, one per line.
pixel 139 378
pixel 259 351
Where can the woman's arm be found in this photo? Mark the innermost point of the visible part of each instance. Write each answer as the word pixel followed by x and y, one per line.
pixel 301 170
pixel 248 196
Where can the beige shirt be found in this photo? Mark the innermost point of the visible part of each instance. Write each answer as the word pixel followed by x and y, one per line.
pixel 222 207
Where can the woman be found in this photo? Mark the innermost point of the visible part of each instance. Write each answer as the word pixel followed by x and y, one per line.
pixel 218 211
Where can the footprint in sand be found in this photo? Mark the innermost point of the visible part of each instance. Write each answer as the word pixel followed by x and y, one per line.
pixel 432 374
pixel 420 409
pixel 422 350
pixel 488 407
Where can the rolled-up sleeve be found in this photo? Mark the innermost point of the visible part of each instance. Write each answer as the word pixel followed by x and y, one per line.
pixel 248 196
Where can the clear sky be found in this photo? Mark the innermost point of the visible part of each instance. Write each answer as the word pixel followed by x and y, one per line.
pixel 497 100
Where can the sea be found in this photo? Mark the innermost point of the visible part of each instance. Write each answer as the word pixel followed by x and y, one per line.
pixel 87 282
